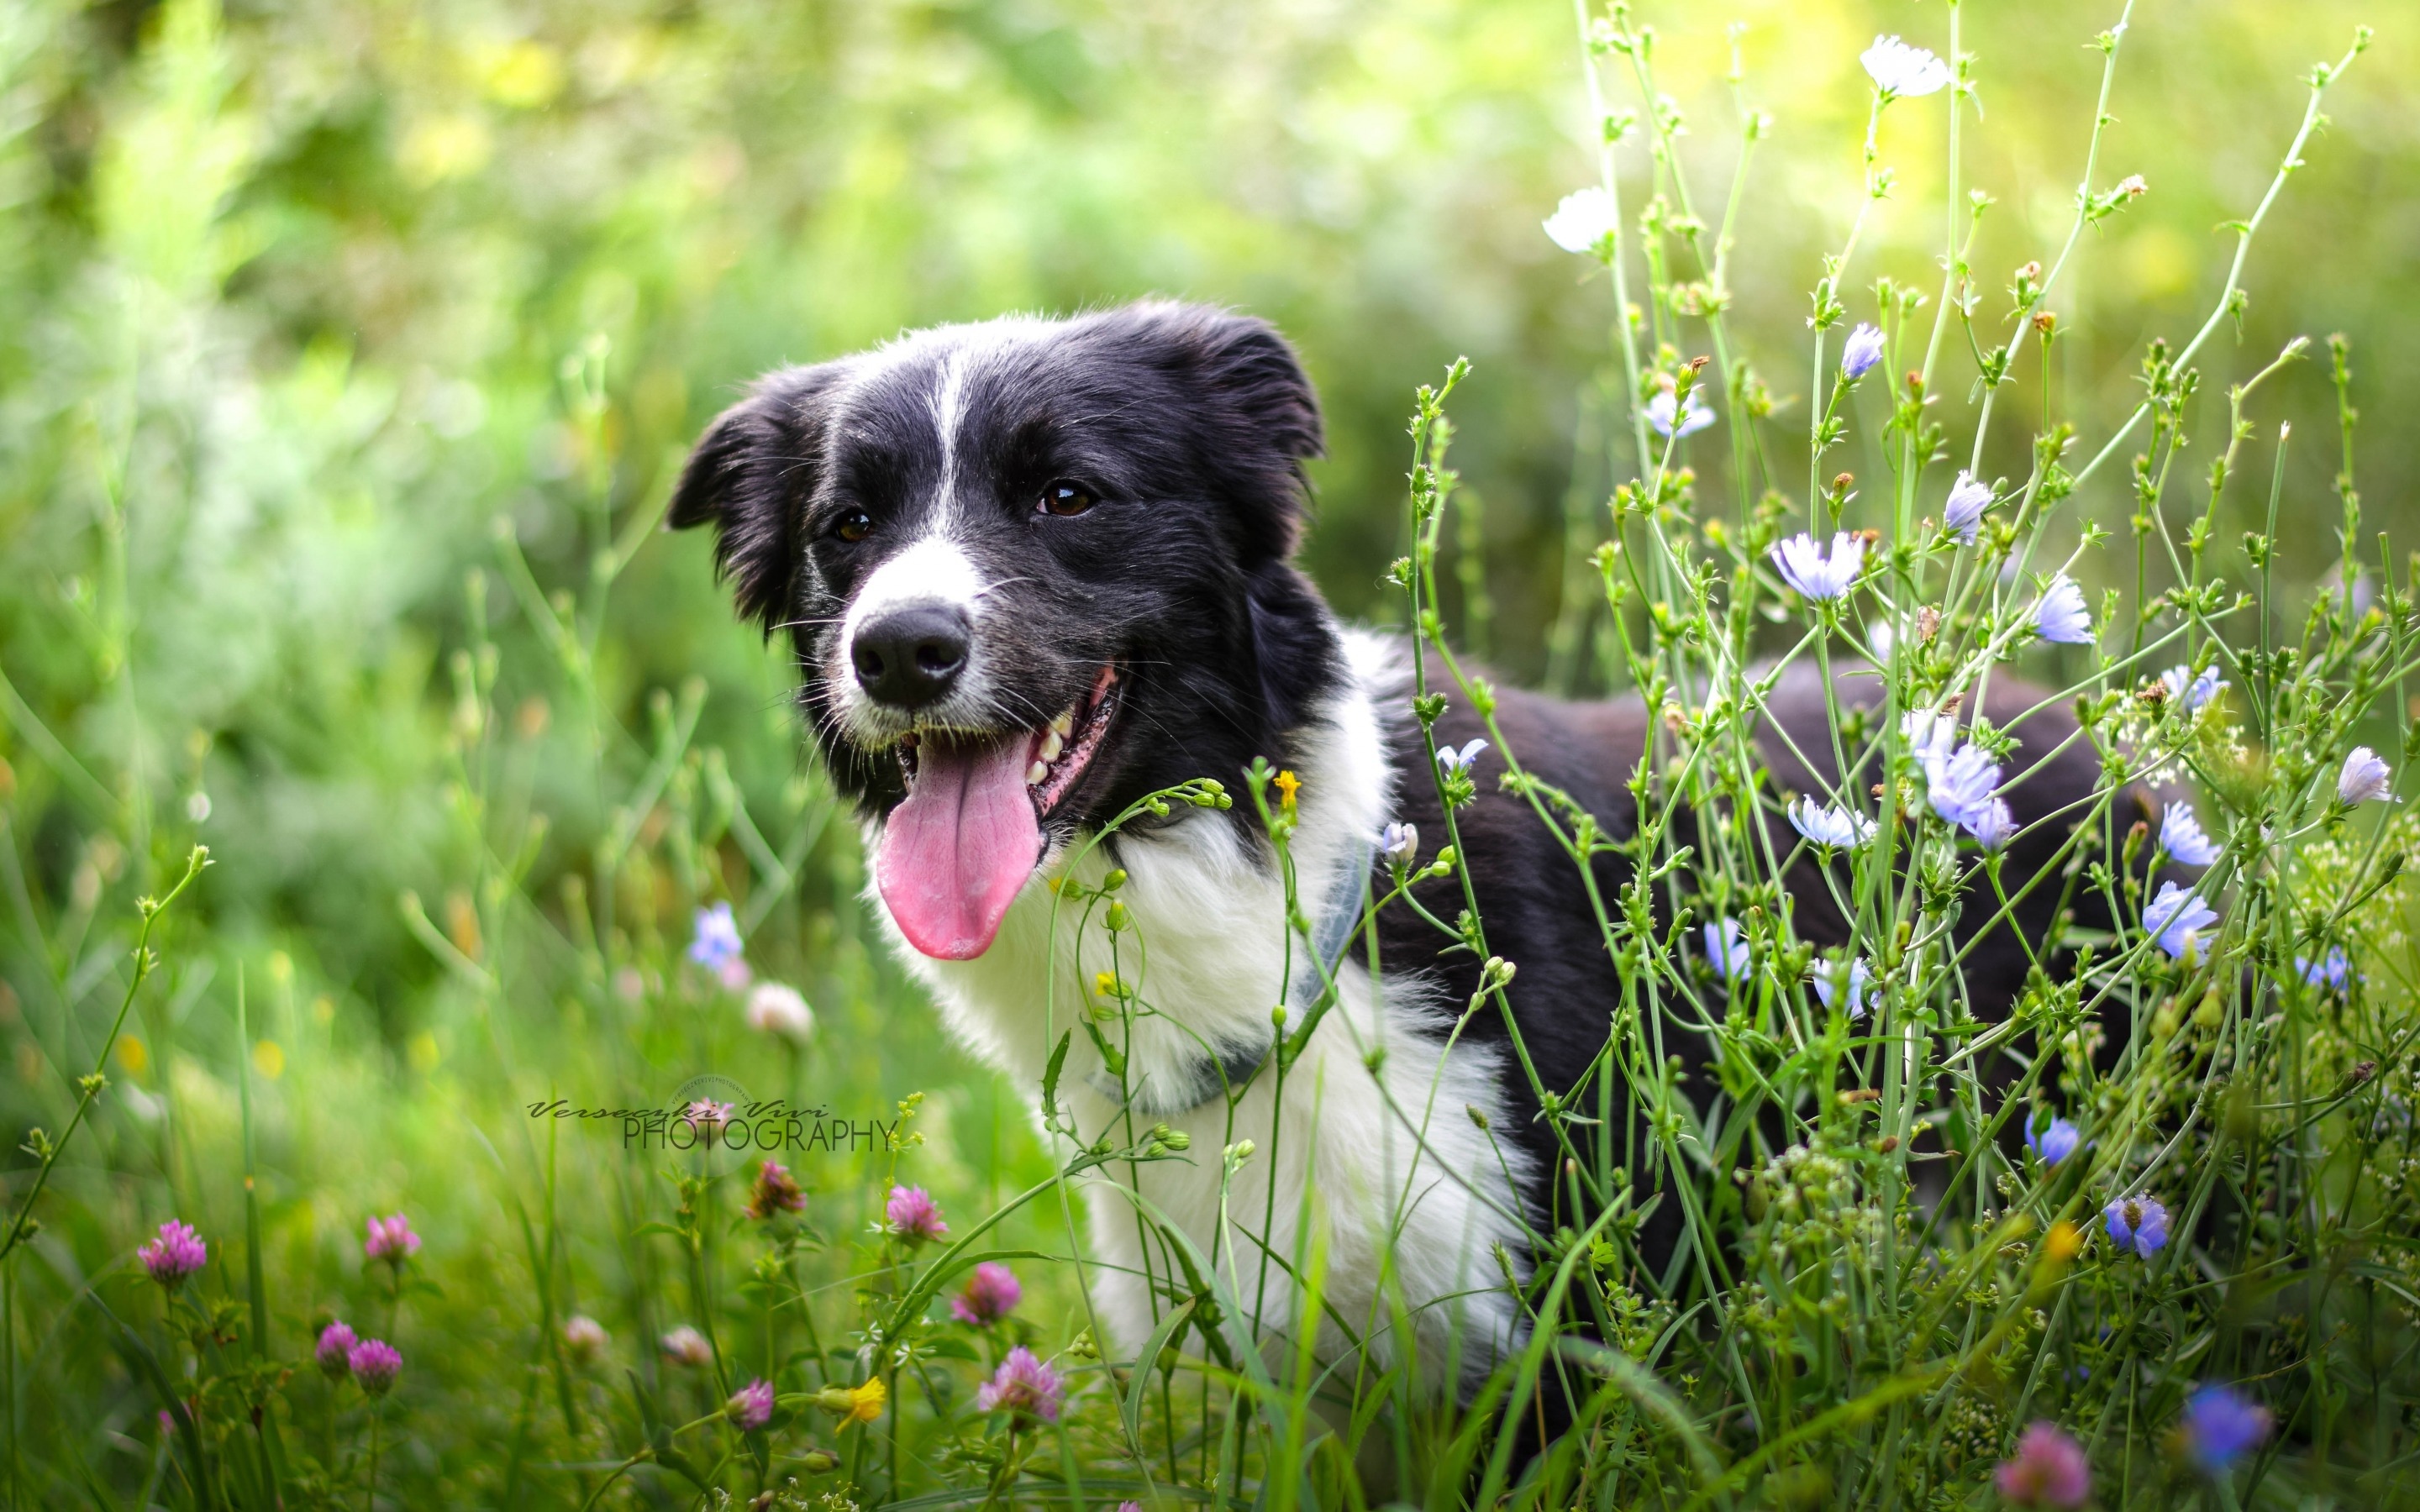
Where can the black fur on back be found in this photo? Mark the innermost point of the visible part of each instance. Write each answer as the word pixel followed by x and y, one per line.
pixel 1537 914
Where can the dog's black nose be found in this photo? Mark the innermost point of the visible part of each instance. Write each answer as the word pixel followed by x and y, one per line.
pixel 909 657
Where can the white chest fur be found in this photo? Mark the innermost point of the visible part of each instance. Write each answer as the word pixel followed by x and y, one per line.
pixel 1382 1172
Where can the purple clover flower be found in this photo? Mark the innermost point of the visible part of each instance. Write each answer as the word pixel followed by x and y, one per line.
pixel 913 1216
pixel 178 1253
pixel 686 1345
pixel 391 1240
pixel 335 1350
pixel 1024 1387
pixel 752 1406
pixel 2048 1470
pixel 991 1294
pixel 2138 1223
pixel 584 1339
pixel 375 1365
pixel 776 1190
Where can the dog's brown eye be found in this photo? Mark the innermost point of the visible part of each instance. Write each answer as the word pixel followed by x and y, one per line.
pixel 854 526
pixel 1066 497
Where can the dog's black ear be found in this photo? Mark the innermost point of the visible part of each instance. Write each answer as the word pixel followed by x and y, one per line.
pixel 749 477
pixel 1251 416
pixel 1254 370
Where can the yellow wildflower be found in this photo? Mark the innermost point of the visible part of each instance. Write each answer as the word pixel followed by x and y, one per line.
pixel 1287 785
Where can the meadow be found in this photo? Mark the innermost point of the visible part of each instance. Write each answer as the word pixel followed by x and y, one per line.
pixel 421 911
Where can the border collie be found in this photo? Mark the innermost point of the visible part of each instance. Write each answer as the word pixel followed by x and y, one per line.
pixel 1036 569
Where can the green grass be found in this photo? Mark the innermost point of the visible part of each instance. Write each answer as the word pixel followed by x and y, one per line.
pixel 349 351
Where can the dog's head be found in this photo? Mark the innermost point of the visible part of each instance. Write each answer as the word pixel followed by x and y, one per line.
pixel 1032 570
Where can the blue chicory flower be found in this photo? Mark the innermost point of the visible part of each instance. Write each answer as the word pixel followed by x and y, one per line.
pixel 2331 970
pixel 2061 615
pixel 2181 836
pixel 1693 418
pixel 2221 1426
pixel 2175 917
pixel 2138 1223
pixel 1863 350
pixel 2055 1142
pixel 1806 566
pixel 1830 824
pixel 2192 691
pixel 1963 514
pixel 1455 763
pixel 1861 987
pixel 1727 949
pixel 2365 778
pixel 716 944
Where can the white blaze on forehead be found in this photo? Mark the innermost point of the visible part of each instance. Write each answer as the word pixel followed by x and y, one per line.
pixel 948 406
pixel 932 570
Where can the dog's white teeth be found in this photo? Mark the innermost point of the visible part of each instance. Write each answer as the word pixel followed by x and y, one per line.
pixel 1063 726
pixel 1036 773
pixel 1051 746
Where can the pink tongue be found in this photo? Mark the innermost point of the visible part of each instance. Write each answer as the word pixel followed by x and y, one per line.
pixel 955 853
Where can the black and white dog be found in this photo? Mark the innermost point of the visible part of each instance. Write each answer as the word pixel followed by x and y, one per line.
pixel 1035 569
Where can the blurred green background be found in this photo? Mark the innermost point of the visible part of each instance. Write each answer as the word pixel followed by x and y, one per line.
pixel 298 300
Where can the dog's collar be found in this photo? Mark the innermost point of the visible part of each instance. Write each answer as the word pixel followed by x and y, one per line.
pixel 1204 1076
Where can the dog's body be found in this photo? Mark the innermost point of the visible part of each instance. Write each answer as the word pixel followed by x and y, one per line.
pixel 1034 570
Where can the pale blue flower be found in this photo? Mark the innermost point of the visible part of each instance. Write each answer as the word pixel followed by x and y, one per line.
pixel 1861 987
pixel 1807 567
pixel 2053 1144
pixel 1455 763
pixel 2175 917
pixel 1727 949
pixel 1694 418
pixel 1960 788
pixel 1898 68
pixel 1963 513
pixel 1863 350
pixel 1991 823
pixel 2192 691
pixel 716 943
pixel 2140 1223
pixel 2061 615
pixel 2181 836
pixel 1399 842
pixel 2365 778
pixel 2221 1427
pixel 2330 971
pixel 1930 737
pixel 1830 824
pixel 1584 220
